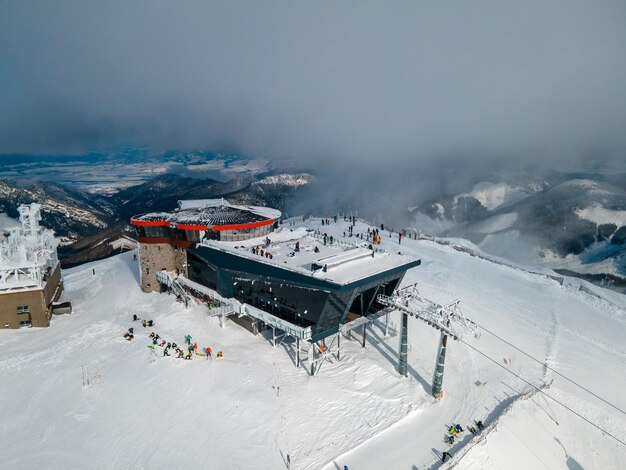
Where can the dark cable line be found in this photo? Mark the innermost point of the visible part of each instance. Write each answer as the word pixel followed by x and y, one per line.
pixel 544 393
pixel 550 368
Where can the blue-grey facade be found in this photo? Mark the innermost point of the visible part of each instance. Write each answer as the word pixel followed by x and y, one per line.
pixel 296 297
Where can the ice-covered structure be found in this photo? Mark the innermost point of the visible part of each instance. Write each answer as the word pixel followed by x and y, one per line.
pixel 30 273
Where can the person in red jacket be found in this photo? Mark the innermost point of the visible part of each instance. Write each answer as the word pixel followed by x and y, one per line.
pixel 208 352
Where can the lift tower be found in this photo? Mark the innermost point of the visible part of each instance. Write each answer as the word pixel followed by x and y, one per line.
pixel 448 319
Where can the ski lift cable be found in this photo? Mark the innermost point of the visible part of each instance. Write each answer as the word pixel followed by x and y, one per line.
pixel 544 393
pixel 553 370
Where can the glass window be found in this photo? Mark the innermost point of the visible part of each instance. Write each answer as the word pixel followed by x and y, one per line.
pixel 23 309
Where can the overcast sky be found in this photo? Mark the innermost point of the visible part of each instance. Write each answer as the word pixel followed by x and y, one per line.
pixel 317 81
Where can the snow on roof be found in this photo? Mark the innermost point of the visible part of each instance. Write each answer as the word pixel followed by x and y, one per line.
pixel 346 259
pixel 212 212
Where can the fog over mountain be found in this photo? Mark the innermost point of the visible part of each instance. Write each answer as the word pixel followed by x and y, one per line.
pixel 354 85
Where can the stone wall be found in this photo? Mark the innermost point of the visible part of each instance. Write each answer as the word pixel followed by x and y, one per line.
pixel 155 257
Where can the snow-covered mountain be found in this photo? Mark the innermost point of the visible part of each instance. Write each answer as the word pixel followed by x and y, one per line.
pixel 87 398
pixel 578 225
pixel 69 212
pixel 93 226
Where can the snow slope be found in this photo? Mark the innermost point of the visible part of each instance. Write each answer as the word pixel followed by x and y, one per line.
pixel 251 409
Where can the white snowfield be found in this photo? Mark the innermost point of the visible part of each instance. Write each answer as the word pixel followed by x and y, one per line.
pixel 252 408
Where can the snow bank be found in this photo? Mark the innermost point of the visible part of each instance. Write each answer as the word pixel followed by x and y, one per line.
pixel 253 408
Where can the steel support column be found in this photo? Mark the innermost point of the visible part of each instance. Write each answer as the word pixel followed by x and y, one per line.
pixel 338 346
pixel 402 356
pixel 297 353
pixel 387 325
pixel 312 357
pixel 441 361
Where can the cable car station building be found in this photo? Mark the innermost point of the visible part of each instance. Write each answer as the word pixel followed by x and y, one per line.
pixel 293 278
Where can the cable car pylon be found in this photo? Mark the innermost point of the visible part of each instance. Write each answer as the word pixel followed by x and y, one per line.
pixel 448 319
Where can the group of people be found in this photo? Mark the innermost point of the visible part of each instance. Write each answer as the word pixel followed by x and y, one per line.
pixel 192 349
pixel 144 322
pixel 158 341
pixel 454 430
pixel 374 234
pixel 257 250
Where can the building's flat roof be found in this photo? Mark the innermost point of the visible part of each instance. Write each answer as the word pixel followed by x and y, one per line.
pixel 347 259
pixel 194 216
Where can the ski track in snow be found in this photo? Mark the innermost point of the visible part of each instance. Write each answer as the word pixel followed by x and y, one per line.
pixel 228 413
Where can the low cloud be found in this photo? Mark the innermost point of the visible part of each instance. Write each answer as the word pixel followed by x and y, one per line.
pixel 353 84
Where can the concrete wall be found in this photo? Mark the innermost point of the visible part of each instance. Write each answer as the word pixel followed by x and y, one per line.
pixel 54 286
pixel 155 257
pixel 38 302
pixel 34 299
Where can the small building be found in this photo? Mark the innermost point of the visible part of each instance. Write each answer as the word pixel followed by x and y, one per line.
pixel 30 272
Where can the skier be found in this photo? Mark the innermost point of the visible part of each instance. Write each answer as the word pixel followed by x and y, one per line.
pixel 472 429
pixel 179 353
pixel 166 352
pixel 208 352
pixel 150 322
pixel 195 347
pixel 188 339
pixel 452 430
pixel 480 425
pixel 445 456
pixel 131 331
pixel 449 439
pixel 458 428
pixel 135 317
pixel 144 323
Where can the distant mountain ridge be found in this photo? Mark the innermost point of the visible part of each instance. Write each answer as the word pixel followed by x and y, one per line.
pixel 91 226
pixel 574 225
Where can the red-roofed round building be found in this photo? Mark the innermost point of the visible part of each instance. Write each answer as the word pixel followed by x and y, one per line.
pixel 165 236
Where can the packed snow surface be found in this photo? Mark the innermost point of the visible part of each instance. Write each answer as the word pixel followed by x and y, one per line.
pixel 253 408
